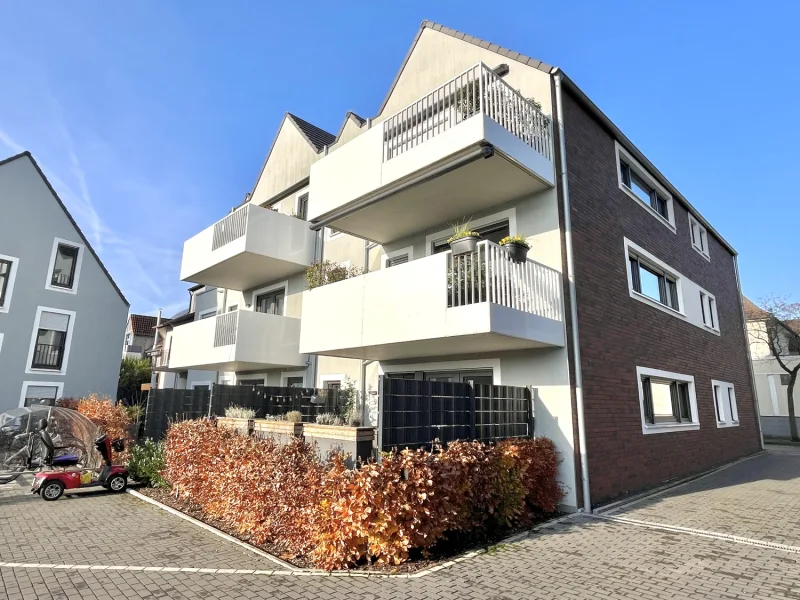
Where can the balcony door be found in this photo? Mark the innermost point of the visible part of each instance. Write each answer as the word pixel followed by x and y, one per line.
pixel 272 302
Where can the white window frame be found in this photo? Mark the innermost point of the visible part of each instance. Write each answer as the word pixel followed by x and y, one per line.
pixel 708 307
pixel 444 234
pixel 297 200
pixel 194 384
pixel 330 234
pixel 59 385
pixel 12 276
pixel 81 251
pixel 650 428
pixel 388 255
pixel 456 365
pixel 205 314
pixel 323 379
pixel 724 419
pixel 646 257
pixel 1 341
pixel 271 288
pixel 67 344
pixel 622 154
pixel 700 242
pixel 286 374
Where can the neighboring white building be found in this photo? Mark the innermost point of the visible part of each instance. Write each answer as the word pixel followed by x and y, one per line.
pixel 772 382
pixel 61 314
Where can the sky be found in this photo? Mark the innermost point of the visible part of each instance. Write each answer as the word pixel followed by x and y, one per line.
pixel 152 119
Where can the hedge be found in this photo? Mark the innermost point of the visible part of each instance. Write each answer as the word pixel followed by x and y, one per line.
pixel 336 517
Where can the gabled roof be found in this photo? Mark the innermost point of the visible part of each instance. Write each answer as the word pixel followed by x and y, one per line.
pixel 142 324
pixel 69 216
pixel 753 312
pixel 317 137
pixel 460 35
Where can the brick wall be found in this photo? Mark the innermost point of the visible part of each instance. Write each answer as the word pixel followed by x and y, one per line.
pixel 618 333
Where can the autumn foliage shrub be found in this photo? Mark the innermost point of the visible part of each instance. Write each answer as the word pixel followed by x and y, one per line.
pixel 336 517
pixel 112 419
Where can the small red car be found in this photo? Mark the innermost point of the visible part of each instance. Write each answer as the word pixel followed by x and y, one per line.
pixel 50 485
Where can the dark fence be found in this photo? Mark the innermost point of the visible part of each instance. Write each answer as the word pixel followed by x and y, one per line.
pixel 417 412
pixel 168 405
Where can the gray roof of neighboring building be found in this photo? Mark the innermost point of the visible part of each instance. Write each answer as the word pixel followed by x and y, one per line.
pixel 27 154
pixel 317 137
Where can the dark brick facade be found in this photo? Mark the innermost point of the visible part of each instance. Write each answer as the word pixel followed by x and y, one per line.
pixel 618 333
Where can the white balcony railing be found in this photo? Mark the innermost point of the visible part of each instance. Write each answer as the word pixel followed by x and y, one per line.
pixel 230 228
pixel 478 90
pixel 489 275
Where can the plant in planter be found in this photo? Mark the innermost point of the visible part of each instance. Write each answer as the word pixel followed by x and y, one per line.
pixel 324 272
pixel 463 240
pixel 294 416
pixel 239 412
pixel 516 246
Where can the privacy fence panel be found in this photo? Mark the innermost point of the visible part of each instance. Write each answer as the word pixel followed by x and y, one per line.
pixel 416 412
pixel 164 406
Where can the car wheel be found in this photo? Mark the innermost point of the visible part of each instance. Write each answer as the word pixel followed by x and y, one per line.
pixel 117 483
pixel 52 490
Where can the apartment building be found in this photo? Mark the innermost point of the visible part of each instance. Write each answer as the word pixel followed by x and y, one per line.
pixel 771 381
pixel 624 318
pixel 61 314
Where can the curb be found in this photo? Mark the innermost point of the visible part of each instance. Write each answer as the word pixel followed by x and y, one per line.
pixel 290 569
pixel 621 504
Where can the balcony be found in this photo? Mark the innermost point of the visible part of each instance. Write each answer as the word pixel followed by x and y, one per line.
pixel 436 306
pixel 235 341
pixel 248 247
pixel 469 145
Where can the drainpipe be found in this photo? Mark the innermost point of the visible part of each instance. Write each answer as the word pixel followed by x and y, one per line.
pixel 313 360
pixel 573 303
pixel 154 373
pixel 749 356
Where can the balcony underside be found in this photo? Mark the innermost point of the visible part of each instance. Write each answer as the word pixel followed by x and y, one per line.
pixel 245 270
pixel 449 346
pixel 231 366
pixel 440 198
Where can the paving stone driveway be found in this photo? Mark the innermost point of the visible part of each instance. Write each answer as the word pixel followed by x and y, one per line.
pixel 580 558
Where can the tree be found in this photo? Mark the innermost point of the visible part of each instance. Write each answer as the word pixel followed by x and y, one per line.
pixel 133 372
pixel 779 329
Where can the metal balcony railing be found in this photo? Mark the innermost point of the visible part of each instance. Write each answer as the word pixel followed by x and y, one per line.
pixel 489 275
pixel 478 90
pixel 48 356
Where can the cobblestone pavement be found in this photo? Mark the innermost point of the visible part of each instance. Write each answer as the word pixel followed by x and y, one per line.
pixel 757 498
pixel 580 558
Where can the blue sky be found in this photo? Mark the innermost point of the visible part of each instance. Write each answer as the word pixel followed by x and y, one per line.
pixel 152 118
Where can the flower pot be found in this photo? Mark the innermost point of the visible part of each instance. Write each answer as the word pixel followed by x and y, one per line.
pixel 516 251
pixel 465 245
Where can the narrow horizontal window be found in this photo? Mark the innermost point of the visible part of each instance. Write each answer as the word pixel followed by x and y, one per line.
pixel 638 182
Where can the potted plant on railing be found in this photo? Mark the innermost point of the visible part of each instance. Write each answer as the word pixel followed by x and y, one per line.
pixel 463 240
pixel 516 246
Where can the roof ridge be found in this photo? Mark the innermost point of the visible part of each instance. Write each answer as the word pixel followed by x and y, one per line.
pixel 69 216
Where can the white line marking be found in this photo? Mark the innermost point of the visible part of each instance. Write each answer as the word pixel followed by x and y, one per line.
pixel 700 533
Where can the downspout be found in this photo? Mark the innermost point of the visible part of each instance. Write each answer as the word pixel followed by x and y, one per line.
pixel 573 302
pixel 749 356
pixel 367 247
pixel 313 359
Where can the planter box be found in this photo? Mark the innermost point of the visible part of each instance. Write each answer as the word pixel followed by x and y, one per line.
pixel 356 442
pixel 241 426
pixel 281 431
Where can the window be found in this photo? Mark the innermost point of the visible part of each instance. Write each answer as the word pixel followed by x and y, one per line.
pixel 400 259
pixel 667 401
pixel 301 211
pixel 233 307
pixel 8 272
pixel 640 185
pixel 332 233
pixel 725 404
pixel 654 283
pixel 250 382
pixel 272 302
pixel 64 265
pixel 5 275
pixel 51 338
pixel 699 237
pixel 708 308
pixel 41 394
pixel 785 379
pixel 494 233
pixel 333 385
pixel 207 314
pixel 294 382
